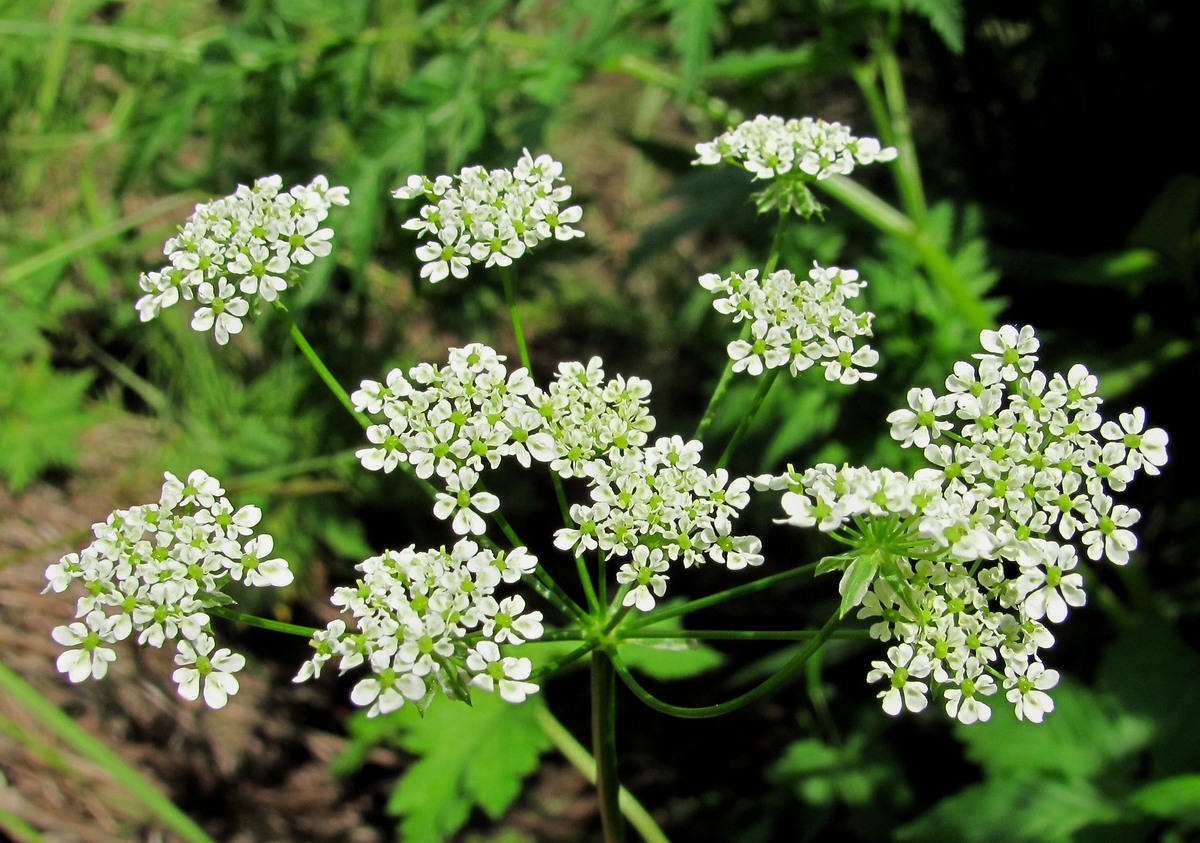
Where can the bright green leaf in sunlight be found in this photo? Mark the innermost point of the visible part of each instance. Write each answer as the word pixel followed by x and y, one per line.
pixel 42 415
pixel 469 756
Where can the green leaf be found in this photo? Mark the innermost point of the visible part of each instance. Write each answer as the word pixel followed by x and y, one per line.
pixel 1085 735
pixel 469 757
pixel 42 416
pixel 856 581
pixel 1176 798
pixel 693 24
pixel 945 17
pixel 1014 809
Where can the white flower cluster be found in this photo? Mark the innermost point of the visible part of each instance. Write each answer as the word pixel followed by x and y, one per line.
pixel 974 553
pixel 797 323
pixel 811 147
pixel 489 217
pixel 428 620
pixel 243 249
pixel 154 570
pixel 654 504
pixel 657 505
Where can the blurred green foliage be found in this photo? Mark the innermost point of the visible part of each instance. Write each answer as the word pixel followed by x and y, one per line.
pixel 116 116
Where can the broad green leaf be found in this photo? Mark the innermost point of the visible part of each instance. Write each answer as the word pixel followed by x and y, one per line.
pixel 469 757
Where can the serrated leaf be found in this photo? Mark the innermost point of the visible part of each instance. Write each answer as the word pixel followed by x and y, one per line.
pixel 42 415
pixel 1084 736
pixel 469 756
pixel 1015 809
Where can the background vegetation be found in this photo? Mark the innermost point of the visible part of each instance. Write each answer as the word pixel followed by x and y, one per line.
pixel 1044 178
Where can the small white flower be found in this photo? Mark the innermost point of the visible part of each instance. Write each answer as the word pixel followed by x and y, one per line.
pixel 505 674
pixel 1026 687
pixel 202 669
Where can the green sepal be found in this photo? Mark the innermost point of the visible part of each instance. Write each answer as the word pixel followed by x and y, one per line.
pixel 858 578
pixel 889 569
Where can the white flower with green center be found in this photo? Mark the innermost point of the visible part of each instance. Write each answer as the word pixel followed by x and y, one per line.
pixel 461 502
pixel 964 701
pixel 221 310
pixel 902 671
pixel 92 658
pixel 503 674
pixel 1026 686
pixel 646 575
pixel 204 669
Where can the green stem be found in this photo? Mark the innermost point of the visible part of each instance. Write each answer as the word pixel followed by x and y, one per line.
pixel 759 691
pixel 727 375
pixel 912 191
pixel 937 263
pixel 83 742
pixel 551 591
pixel 660 615
pixel 261 623
pixel 739 634
pixel 561 662
pixel 764 387
pixel 718 393
pixel 589 590
pixel 510 296
pixel 583 761
pixel 319 366
pixel 604 746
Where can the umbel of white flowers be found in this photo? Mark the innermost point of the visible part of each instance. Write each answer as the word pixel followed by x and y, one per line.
pixel 489 217
pixel 236 252
pixel 153 571
pixel 963 564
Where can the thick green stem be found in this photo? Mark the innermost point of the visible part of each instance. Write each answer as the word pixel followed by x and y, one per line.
pixel 83 742
pixel 758 692
pixel 582 760
pixel 604 746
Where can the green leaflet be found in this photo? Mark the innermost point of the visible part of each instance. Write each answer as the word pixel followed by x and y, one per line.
pixel 467 757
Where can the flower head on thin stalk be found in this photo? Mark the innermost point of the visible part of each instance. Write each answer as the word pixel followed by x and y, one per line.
pixel 490 217
pixel 153 571
pixel 965 562
pixel 791 153
pixel 429 620
pixel 236 252
pixel 797 322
